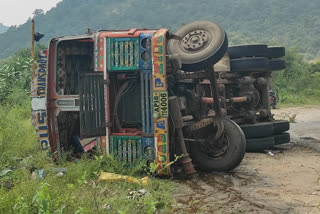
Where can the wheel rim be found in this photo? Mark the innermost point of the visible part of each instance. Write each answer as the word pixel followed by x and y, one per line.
pixel 195 41
pixel 216 149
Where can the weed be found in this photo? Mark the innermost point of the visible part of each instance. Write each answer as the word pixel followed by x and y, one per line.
pixel 81 211
pixel 41 200
pixel 21 206
pixel 153 168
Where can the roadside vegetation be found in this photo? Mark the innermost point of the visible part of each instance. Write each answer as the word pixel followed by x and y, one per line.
pixel 298 84
pixel 24 191
pixel 75 191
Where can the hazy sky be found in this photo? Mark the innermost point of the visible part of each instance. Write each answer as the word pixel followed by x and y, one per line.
pixel 16 12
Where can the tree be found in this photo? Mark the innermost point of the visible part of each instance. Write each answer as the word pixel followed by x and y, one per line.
pixel 38 12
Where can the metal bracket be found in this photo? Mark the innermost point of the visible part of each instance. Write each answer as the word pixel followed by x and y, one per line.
pixel 174 36
pixel 216 105
pixel 175 114
pixel 108 124
pixel 106 82
pixel 176 58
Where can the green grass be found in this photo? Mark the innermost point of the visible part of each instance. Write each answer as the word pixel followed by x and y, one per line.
pixel 78 191
pixel 305 97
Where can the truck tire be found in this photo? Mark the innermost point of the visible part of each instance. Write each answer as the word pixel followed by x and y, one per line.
pixel 260 144
pixel 282 138
pixel 257 50
pixel 265 129
pixel 257 130
pixel 255 64
pixel 203 44
pixel 232 156
pixel 239 51
pixel 276 52
pixel 277 64
pixel 280 126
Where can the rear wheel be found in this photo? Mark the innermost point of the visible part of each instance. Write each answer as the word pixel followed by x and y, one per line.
pixel 257 130
pixel 239 51
pixel 203 43
pixel 220 156
pixel 280 126
pixel 282 138
pixel 277 64
pixel 256 50
pixel 255 64
pixel 265 129
pixel 276 52
pixel 260 144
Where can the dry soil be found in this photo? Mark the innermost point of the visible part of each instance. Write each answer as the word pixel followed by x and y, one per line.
pixel 284 181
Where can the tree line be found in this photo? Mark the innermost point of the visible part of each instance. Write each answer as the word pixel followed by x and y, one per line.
pixel 291 23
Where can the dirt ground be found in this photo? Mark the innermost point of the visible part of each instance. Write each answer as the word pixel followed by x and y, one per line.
pixel 285 181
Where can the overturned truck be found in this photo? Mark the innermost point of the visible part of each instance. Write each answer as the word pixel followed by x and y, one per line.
pixel 152 95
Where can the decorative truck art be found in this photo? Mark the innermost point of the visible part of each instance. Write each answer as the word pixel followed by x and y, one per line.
pixel 155 95
pixel 39 101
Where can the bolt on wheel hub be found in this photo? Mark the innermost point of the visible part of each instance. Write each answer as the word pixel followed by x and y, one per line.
pixel 195 40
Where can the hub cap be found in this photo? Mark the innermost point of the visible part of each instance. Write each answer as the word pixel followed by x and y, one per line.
pixel 216 149
pixel 195 40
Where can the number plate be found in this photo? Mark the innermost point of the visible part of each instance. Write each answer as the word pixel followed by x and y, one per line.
pixel 160 103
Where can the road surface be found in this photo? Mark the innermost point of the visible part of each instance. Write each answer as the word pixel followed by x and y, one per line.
pixel 286 182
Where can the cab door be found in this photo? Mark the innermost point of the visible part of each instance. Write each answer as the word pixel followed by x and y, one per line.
pixel 92 109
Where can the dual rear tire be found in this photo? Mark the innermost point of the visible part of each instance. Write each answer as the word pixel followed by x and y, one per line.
pixel 265 135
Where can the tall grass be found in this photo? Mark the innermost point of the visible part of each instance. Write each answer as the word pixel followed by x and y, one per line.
pixel 78 190
pixel 17 135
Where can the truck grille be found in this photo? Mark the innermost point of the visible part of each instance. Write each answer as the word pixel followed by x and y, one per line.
pixel 123 54
pixel 127 148
pixel 146 102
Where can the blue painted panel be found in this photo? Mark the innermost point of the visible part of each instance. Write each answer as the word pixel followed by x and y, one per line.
pixel 148 149
pixel 146 101
pixel 145 51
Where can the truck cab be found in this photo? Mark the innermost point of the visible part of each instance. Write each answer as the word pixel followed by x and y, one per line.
pixel 104 90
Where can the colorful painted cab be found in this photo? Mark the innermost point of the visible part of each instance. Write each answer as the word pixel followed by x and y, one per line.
pixel 106 90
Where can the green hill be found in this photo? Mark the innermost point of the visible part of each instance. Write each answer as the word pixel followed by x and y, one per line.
pixel 3 28
pixel 293 23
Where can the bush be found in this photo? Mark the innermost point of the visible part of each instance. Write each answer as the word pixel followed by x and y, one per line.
pixel 15 72
pixel 299 82
pixel 17 135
